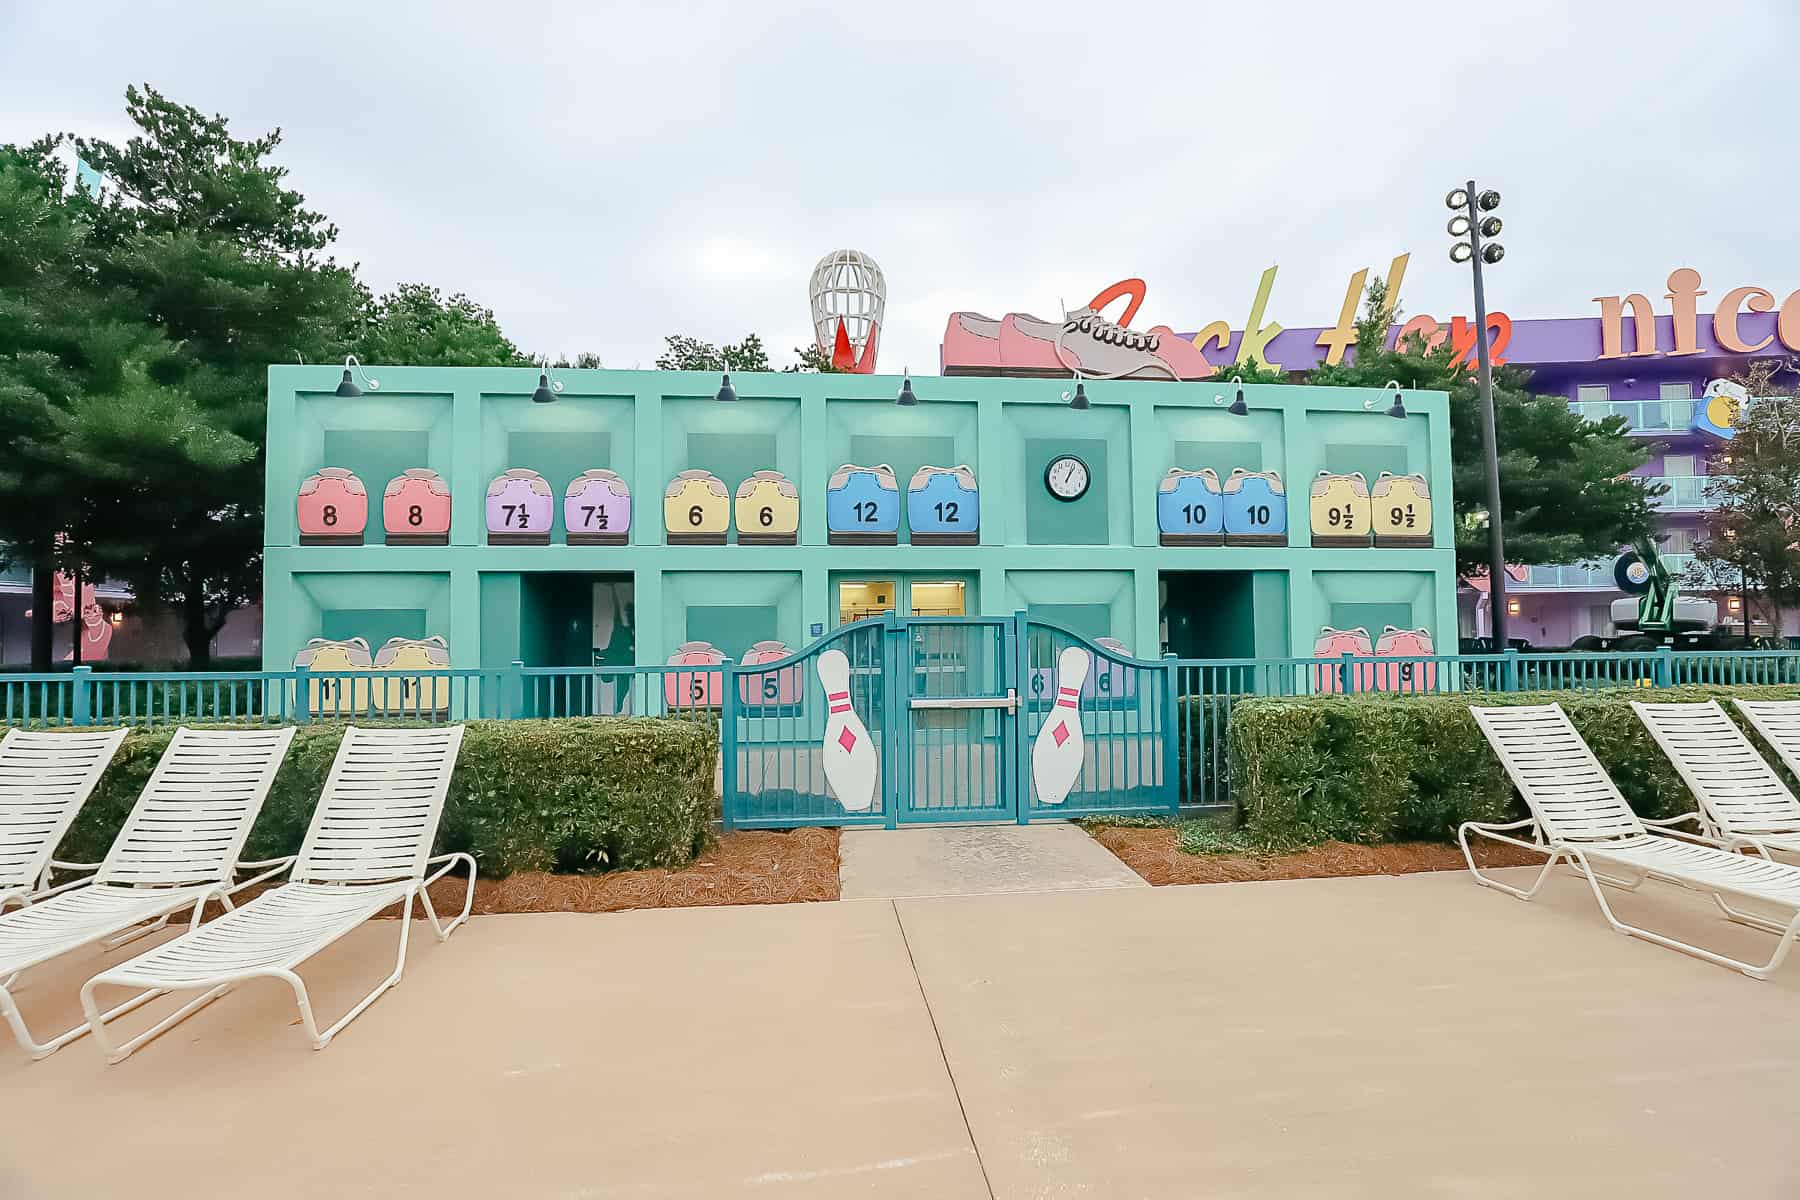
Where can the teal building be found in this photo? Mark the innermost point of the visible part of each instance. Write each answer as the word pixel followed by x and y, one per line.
pixel 437 504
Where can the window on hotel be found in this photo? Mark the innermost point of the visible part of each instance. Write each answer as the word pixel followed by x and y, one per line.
pixel 1597 393
pixel 1680 541
pixel 1675 391
pixel 1678 464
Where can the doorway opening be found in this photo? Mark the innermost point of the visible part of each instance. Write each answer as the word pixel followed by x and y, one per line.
pixel 1207 614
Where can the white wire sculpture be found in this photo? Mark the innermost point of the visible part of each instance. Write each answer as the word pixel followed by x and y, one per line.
pixel 849 304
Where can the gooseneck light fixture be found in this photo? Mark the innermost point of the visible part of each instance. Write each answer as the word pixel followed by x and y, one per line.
pixel 546 390
pixel 1398 408
pixel 726 393
pixel 346 387
pixel 1469 227
pixel 1078 401
pixel 906 398
pixel 1238 407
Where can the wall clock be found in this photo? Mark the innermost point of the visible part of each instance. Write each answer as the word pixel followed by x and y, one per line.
pixel 1067 477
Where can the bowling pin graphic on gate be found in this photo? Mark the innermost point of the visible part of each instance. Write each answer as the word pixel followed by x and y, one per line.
pixel 1058 754
pixel 850 758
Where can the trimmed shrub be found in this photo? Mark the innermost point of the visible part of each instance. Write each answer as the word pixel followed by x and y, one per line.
pixel 575 794
pixel 1412 768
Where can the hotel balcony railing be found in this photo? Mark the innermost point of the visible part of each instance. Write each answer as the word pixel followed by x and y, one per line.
pixel 1687 493
pixel 1641 416
pixel 1589 576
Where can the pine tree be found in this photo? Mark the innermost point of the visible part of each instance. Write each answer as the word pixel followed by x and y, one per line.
pixel 196 233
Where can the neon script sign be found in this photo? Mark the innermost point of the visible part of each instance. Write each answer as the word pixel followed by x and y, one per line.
pixel 1335 340
pixel 1684 307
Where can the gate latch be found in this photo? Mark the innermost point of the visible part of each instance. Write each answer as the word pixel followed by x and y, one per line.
pixel 1010 701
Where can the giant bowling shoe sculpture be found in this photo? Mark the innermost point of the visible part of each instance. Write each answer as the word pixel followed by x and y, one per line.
pixel 597 509
pixel 520 509
pixel 768 510
pixel 851 763
pixel 333 508
pixel 1255 509
pixel 696 509
pixel 1340 509
pixel 415 509
pixel 862 506
pixel 1401 513
pixel 1059 752
pixel 1190 510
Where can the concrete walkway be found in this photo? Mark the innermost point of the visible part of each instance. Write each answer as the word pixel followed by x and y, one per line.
pixel 971 860
pixel 1335 1038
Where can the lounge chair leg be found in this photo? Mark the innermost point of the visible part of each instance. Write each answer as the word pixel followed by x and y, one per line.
pixel 119 1053
pixel 1787 934
pixel 321 1040
pixel 1739 916
pixel 39 1050
pixel 1462 837
pixel 444 931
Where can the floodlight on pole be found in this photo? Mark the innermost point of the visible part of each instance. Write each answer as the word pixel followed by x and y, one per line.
pixel 1468 230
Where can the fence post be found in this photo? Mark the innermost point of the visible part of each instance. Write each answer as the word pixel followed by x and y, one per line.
pixel 1346 668
pixel 1665 667
pixel 81 698
pixel 515 689
pixel 1171 731
pixel 728 746
pixel 302 708
pixel 1509 670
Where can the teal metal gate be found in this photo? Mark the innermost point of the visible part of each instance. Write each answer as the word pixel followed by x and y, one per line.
pixel 954 705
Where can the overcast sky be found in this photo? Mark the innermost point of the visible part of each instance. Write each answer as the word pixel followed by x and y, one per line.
pixel 601 176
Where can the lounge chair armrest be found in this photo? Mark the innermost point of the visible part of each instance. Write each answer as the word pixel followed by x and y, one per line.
pixel 267 862
pixel 60 888
pixel 449 861
pixel 276 866
pixel 1492 827
pixel 1663 830
pixel 56 864
pixel 1665 822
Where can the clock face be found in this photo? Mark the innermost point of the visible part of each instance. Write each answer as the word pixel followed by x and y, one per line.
pixel 1066 477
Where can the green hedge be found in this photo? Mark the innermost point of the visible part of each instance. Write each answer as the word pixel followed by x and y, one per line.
pixel 1412 768
pixel 574 794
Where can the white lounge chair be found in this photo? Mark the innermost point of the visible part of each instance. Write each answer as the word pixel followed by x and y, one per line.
pixel 1743 801
pixel 1578 816
pixel 368 849
pixel 45 778
pixel 179 848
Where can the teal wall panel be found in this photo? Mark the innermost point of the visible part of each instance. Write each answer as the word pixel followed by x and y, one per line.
pixel 501 640
pixel 498 603
pixel 1052 521
pixel 373 625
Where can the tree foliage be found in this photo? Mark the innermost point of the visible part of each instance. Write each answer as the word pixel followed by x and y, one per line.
pixel 810 360
pixel 137 324
pixel 691 354
pixel 1750 539
pixel 415 324
pixel 1564 486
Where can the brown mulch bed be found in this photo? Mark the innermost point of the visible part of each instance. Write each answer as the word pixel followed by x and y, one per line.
pixel 1153 854
pixel 750 867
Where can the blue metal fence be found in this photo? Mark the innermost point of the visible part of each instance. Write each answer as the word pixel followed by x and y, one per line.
pixel 1209 688
pixel 87 697
pixel 952 748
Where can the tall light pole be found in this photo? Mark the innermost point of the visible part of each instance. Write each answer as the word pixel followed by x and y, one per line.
pixel 1468 226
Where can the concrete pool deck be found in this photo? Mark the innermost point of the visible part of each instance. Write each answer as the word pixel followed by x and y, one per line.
pixel 1346 1037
